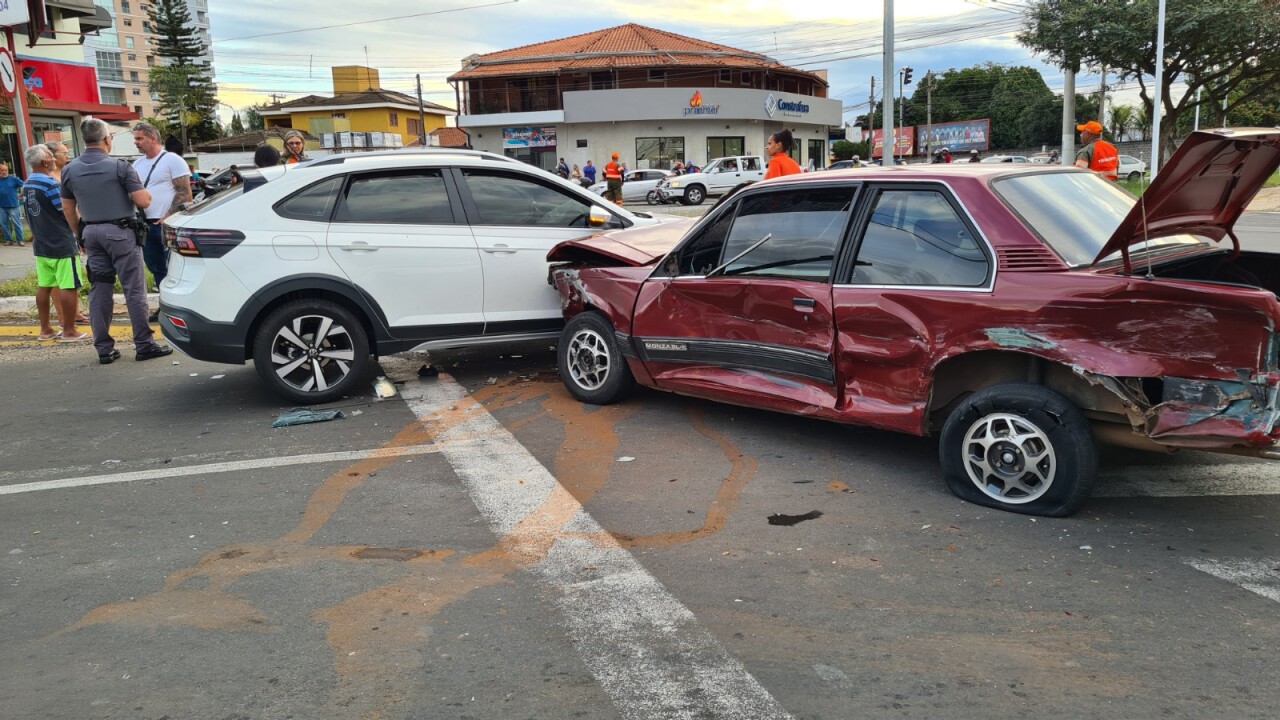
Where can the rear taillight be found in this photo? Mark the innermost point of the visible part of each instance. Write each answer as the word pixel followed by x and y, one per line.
pixel 203 243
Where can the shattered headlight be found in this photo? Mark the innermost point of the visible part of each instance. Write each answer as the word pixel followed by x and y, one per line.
pixel 673 183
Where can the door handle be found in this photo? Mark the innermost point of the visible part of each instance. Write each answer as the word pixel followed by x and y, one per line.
pixel 358 246
pixel 803 304
pixel 499 249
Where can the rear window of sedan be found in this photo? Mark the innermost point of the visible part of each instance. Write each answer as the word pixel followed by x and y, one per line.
pixel 1074 212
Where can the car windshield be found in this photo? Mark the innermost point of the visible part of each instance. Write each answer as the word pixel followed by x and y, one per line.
pixel 1075 212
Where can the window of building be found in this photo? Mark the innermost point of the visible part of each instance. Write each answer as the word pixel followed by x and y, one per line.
pixel 394 119
pixel 136 92
pixel 724 147
pixel 338 115
pixel 748 78
pixel 128 41
pixel 658 75
pixel 111 95
pixel 726 76
pixel 108 66
pixel 413 126
pixel 133 57
pixel 124 6
pixel 137 109
pixel 128 22
pixel 818 154
pixel 602 81
pixel 658 152
pixel 133 76
pixel 916 237
pixel 48 23
pixel 146 26
pixel 151 60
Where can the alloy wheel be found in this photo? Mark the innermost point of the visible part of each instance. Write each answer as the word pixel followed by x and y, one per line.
pixel 1009 458
pixel 312 353
pixel 588 359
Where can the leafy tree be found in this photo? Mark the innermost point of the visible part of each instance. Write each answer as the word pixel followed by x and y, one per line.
pixel 253 118
pixel 1227 48
pixel 237 127
pixel 846 149
pixel 187 94
pixel 1120 120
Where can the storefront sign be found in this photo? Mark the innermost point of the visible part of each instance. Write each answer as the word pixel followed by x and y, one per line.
pixel 793 108
pixel 14 12
pixel 965 135
pixel 696 107
pixel 904 146
pixel 53 80
pixel 519 137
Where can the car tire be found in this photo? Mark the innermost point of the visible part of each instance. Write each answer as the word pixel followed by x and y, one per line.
pixel 591 365
pixel 651 197
pixel 694 195
pixel 1047 456
pixel 291 361
pixel 1135 176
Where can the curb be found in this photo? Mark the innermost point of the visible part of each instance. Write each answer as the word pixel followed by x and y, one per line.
pixel 25 305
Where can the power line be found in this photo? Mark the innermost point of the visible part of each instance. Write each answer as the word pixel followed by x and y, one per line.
pixel 363 22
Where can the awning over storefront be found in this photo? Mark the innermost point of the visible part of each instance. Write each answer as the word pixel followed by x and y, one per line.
pixel 100 20
pixel 73 8
pixel 110 113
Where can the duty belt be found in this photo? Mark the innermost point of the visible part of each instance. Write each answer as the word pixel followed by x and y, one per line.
pixel 119 222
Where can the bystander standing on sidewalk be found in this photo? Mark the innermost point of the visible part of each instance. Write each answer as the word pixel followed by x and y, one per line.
pixel 10 186
pixel 62 156
pixel 102 192
pixel 294 148
pixel 54 245
pixel 168 179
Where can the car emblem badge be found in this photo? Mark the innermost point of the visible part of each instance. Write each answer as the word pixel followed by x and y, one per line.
pixel 656 345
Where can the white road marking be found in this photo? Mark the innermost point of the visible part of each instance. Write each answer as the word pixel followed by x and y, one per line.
pixel 1189 480
pixel 233 466
pixel 1256 576
pixel 644 647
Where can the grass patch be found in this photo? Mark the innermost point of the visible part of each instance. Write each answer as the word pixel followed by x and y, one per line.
pixel 1137 186
pixel 19 287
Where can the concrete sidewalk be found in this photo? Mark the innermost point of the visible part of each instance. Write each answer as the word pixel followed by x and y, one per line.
pixel 16 262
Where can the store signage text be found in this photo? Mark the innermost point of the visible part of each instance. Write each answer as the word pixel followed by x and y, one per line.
pixel 788 107
pixel 697 108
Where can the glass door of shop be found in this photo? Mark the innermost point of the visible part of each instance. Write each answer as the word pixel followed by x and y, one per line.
pixel 718 147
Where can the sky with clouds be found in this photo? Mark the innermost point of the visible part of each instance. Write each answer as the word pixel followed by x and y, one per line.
pixel 286 47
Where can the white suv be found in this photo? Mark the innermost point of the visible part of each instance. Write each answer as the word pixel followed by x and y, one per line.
pixel 312 271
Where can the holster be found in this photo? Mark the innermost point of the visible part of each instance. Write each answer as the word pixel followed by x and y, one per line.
pixel 105 276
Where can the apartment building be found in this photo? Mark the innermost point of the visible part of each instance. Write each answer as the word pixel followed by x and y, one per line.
pixel 125 53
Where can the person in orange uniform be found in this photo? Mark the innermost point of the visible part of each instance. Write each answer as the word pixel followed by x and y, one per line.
pixel 1097 154
pixel 780 163
pixel 613 180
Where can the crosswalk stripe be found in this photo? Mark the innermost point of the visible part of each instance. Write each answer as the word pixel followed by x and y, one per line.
pixel 645 649
pixel 1256 576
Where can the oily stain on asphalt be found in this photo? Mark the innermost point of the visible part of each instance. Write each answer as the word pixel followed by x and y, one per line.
pixel 378 637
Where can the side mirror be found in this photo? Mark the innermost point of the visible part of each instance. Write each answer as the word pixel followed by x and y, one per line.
pixel 599 217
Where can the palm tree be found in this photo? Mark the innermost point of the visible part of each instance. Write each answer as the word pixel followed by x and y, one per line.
pixel 1142 121
pixel 1120 120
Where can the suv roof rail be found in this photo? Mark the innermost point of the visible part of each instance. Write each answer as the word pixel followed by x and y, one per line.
pixel 456 152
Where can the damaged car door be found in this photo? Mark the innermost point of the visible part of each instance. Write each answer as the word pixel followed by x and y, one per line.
pixel 742 310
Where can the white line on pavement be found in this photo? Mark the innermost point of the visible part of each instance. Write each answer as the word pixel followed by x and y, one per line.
pixel 1189 480
pixel 233 466
pixel 1256 576
pixel 645 648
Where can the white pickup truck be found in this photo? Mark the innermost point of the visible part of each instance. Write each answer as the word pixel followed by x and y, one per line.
pixel 717 178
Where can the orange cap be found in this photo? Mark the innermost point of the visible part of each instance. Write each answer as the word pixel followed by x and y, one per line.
pixel 1093 126
pixel 615 156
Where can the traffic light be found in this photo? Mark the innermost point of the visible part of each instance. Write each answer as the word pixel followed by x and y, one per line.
pixel 906 76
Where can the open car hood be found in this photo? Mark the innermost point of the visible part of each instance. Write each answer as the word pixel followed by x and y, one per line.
pixel 637 246
pixel 1203 188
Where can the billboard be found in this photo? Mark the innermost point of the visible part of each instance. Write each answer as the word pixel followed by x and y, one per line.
pixel 955 136
pixel 904 145
pixel 53 80
pixel 531 137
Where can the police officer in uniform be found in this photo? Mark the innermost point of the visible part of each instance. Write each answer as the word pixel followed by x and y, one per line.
pixel 101 192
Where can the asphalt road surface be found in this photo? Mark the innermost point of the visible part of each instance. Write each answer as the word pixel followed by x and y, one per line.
pixel 482 546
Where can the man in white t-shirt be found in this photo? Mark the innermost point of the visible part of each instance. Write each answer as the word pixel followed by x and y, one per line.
pixel 166 176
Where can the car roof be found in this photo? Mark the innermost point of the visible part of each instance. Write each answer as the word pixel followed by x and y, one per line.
pixel 934 171
pixel 412 155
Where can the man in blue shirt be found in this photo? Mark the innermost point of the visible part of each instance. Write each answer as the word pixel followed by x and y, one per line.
pixel 589 172
pixel 10 214
pixel 54 243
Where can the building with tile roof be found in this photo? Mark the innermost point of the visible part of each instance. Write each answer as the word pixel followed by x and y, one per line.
pixel 652 96
pixel 359 104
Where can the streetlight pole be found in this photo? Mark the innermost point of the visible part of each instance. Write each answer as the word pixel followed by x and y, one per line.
pixel 1158 100
pixel 888 142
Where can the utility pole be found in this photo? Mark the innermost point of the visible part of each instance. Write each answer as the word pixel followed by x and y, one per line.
pixel 1158 99
pixel 1102 100
pixel 889 137
pixel 1068 115
pixel 21 124
pixel 422 117
pixel 928 127
pixel 871 112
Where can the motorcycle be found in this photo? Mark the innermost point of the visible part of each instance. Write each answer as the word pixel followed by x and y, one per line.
pixel 659 196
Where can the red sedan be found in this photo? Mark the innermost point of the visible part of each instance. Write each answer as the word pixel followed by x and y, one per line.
pixel 1021 312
